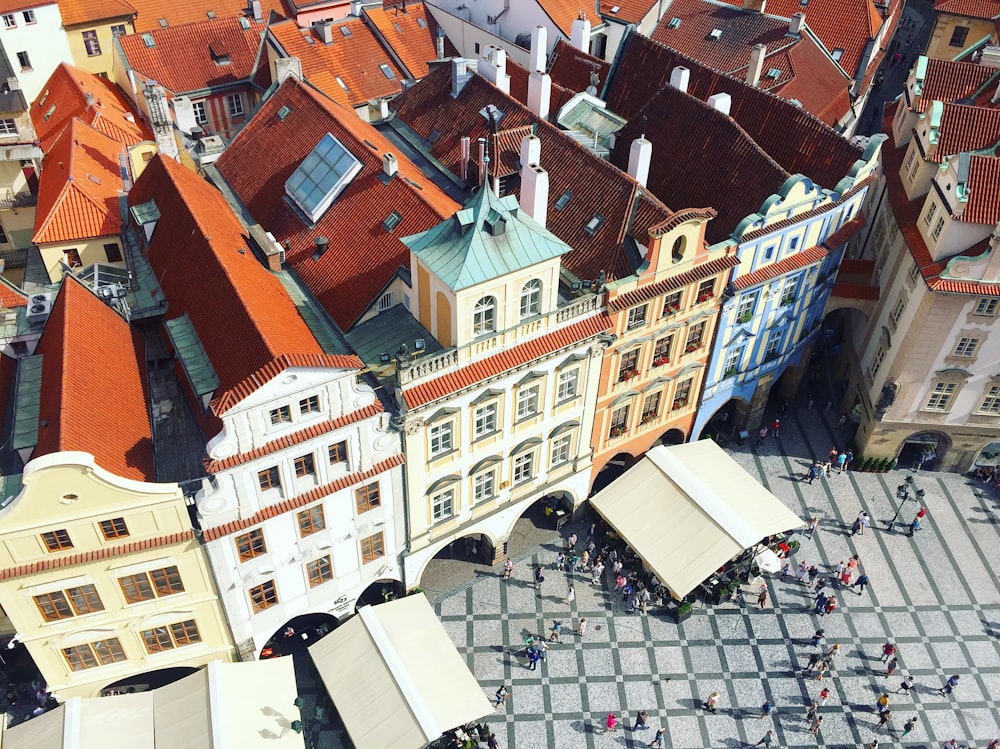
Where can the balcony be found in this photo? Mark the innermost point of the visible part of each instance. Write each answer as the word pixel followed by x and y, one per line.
pixel 10 200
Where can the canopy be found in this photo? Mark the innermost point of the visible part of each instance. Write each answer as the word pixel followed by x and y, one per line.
pixel 689 509
pixel 396 678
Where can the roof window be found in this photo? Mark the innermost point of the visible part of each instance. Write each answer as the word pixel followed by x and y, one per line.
pixel 321 177
pixel 715 33
pixel 283 113
pixel 564 200
pixel 148 40
pixel 594 224
pixel 422 23
pixel 837 54
pixel 674 23
pixel 341 82
pixel 774 73
pixel 615 8
pixel 245 23
pixel 163 23
pixel 393 220
pixel 396 26
pixel 387 71
pixel 48 113
pixel 345 30
pixel 210 14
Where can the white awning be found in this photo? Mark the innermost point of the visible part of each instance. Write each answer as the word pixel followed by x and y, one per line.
pixel 396 678
pixel 689 509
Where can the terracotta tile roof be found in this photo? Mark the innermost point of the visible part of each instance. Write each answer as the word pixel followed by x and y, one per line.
pixel 855 291
pixel 985 9
pixel 363 256
pixel 498 364
pixel 295 503
pixel 11 296
pixel 177 13
pixel 78 189
pixel 595 185
pixel 696 274
pixel 564 12
pixel 786 265
pixel 845 232
pixel 950 81
pixel 984 191
pixel 183 58
pixel 96 555
pixel 74 12
pixel 67 91
pixel 10 6
pixel 304 435
pixel 411 33
pixel 571 68
pixel 93 390
pixel 965 128
pixel 248 325
pixel 519 87
pixel 629 11
pixel 817 83
pixel 355 59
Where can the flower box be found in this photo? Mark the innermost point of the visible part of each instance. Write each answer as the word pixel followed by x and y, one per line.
pixel 617 431
pixel 691 347
pixel 705 297
pixel 679 404
pixel 626 376
pixel 745 317
pixel 661 361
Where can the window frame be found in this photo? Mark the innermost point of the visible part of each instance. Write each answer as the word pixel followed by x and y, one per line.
pixel 695 338
pixel 114 528
pixel 648 413
pixel 91 42
pixel 636 317
pixel 484 419
pixel 337 453
pixel 527 396
pixel 372 547
pixel 941 395
pixel 200 111
pixel 731 364
pixel 967 347
pixel 9 20
pixel 304 466
pixel 24 60
pixel 484 317
pixel 568 379
pixel 254 538
pixel 745 308
pixel 29 17
pixel 443 505
pixel 168 637
pixel 319 571
pixel 682 394
pixel 57 540
pixel 280 415
pixel 628 364
pixel 271 476
pixel 672 303
pixel 523 467
pixel 367 497
pixel 311 520
pixel 560 450
pixel 441 438
pixel 235 111
pixel 8 126
pixel 989 403
pixel 263 596
pixel 959 35
pixel 100 652
pixel 987 307
pixel 531 299
pixel 309 405
pixel 478 482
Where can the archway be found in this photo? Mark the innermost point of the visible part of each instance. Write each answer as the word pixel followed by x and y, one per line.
pixel 923 450
pixel 727 422
pixel 295 635
pixel 144 682
pixel 612 470
pixel 539 522
pixel 380 591
pixel 457 562
pixel 672 437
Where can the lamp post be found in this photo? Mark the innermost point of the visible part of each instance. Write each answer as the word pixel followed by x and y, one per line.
pixel 903 493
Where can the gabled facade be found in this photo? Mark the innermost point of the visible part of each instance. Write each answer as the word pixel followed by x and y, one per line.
pixel 300 510
pixel 960 26
pixel 91 26
pixel 32 34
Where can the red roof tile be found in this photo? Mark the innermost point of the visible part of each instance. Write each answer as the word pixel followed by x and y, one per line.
pixel 696 274
pixel 965 128
pixel 93 390
pixel 65 96
pixel 845 232
pixel 363 256
pixel 288 505
pixel 78 189
pixel 564 12
pixel 817 83
pixel 11 296
pixel 984 191
pixel 10 6
pixel 595 185
pixel 571 68
pixel 75 12
pixel 855 291
pixel 786 265
pixel 477 372
pixel 179 12
pixel 950 81
pixel 629 11
pixel 356 59
pixel 181 59
pixel 248 325
pixel 400 28
pixel 985 9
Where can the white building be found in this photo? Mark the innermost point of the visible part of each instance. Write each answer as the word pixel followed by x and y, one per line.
pixel 35 41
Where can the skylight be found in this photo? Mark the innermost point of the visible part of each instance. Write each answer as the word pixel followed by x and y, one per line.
pixel 716 33
pixel 341 82
pixel 674 23
pixel 774 73
pixel 837 54
pixel 563 200
pixel 163 23
pixel 387 71
pixel 321 177
pixel 284 112
pixel 422 23
pixel 396 26
pixel 594 224
pixel 615 8
pixel 210 14
pixel 148 40
pixel 392 221
pixel 245 24
pixel 346 30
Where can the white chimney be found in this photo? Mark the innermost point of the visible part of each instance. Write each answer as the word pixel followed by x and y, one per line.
pixel 325 31
pixel 256 11
pixel 539 94
pixel 679 78
pixel 356 6
pixel 720 102
pixel 990 56
pixel 390 164
pixel 756 67
pixel 459 75
pixel 539 41
pixel 493 67
pixel 795 25
pixel 287 67
pixel 535 192
pixel 440 43
pixel 639 156
pixel 531 150
pixel 580 37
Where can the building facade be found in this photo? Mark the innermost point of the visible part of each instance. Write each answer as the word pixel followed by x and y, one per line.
pixel 32 33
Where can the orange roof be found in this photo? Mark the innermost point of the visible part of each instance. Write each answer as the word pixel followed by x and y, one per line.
pixel 505 361
pixel 177 13
pixel 965 128
pixel 786 265
pixel 248 325
pixel 88 11
pixel 183 58
pixel 355 58
pixel 410 32
pixel 10 6
pixel 78 189
pixel 629 11
pixel 11 296
pixel 67 94
pixel 571 68
pixel 564 12
pixel 363 255
pixel 985 9
pixel 984 191
pixel 951 81
pixel 93 390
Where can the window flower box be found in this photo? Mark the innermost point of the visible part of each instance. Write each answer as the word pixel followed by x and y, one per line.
pixel 679 404
pixel 661 361
pixel 745 317
pixel 617 431
pixel 730 372
pixel 672 309
pixel 626 376
pixel 705 296
pixel 648 418
pixel 691 347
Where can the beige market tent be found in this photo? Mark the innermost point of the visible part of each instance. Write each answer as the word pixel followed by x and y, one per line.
pixel 689 509
pixel 222 706
pixel 396 678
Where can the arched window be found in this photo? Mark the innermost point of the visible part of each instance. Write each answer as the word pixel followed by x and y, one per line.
pixel 531 298
pixel 484 319
pixel 677 253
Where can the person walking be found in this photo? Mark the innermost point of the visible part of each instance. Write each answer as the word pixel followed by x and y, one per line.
pixel 813 473
pixel 911 724
pixel 813 574
pixel 835 650
pixel 581 628
pixel 571 541
pixel 560 561
pixel 712 702
pixel 803 571
pixel 539 576
pixel 816 725
pixel 813 525
pixel 812 712
pixel 865 522
pixel 814 660
pixel 856 526
pixel 765 710
pixel 949 685
pixel 786 570
pixel 508 569
pixel 762 597
pixel 824 695
pixel 596 572
pixel 888 651
pixel 658 739
pixel 555 634
pixel 501 696
pixel 821 600
pixel 766 739
pixel 883 702
pixel 533 659
pixel 914 526
pixel 821 668
pixel 841 463
pixel 890 667
pixel 776 427
pixel 830 607
pixel 570 596
pixel 905 686
pixel 585 558
pixel 491 742
pixel 761 435
pixel 862 581
pixel 640 721
pixel 884 718
pixel 611 723
pixel 817 637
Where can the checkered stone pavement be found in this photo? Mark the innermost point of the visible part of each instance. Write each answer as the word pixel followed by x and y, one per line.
pixel 936 596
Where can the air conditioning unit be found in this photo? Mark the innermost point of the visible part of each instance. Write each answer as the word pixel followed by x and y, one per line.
pixel 39 307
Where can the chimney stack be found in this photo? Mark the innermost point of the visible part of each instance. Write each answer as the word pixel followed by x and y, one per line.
pixel 325 31
pixel 721 102
pixel 756 67
pixel 390 164
pixel 89 98
pixel 640 154
pixel 439 40
pixel 531 150
pixel 322 245
pixel 255 10
pixel 540 94
pixel 356 6
pixel 459 75
pixel 990 56
pixel 679 78
pixel 795 25
pixel 539 41
pixel 466 156
pixel 757 5
pixel 287 67
pixel 493 67
pixel 535 192
pixel 580 37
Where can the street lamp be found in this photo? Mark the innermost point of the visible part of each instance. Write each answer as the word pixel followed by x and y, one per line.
pixel 903 493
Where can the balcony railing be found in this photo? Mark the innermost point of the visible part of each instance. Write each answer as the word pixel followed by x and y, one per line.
pixel 10 199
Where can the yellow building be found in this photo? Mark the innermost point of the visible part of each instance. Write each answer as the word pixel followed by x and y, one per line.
pixel 91 28
pixel 960 25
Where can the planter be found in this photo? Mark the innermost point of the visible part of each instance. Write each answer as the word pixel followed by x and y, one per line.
pixel 682 611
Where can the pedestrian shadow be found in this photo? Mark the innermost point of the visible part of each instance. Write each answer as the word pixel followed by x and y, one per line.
pixel 988 628
pixel 583 726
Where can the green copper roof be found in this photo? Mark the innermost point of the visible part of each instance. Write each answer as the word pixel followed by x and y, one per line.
pixel 197 367
pixel 27 402
pixel 490 237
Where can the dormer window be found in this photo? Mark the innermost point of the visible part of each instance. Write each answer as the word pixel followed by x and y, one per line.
pixel 531 298
pixel 484 317
pixel 321 177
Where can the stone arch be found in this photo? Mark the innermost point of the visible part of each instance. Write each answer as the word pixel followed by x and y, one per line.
pixel 727 421
pixel 927 442
pixel 672 437
pixel 380 591
pixel 297 633
pixel 613 468
pixel 147 680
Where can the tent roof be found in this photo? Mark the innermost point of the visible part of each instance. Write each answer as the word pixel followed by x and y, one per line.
pixel 396 659
pixel 689 509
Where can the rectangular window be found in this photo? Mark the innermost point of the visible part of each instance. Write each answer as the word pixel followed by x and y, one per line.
pixel 137 588
pixel 9 21
pixel 311 520
pixel 936 233
pixel 991 401
pixel 441 439
pixel 372 548
pixel 941 395
pixel 320 571
pixel 987 307
pixel 263 596
pixel 167 581
pixel 484 486
pixel 619 422
pixel 24 61
pixel 29 16
pixel 305 466
pixel 897 311
pixel 931 211
pixel 636 317
pixel 524 467
pixel 367 497
pixel 113 253
pixel 338 453
pixel 650 407
pixel 72 258
pixel 200 112
pixel 57 540
pixel 114 528
pixel 235 104
pixel 789 292
pixel 281 415
pixel 91 43
pixel 68 603
pixel 251 544
pixel 527 402
pixel 485 419
pixel 773 348
pixel 744 313
pixel 966 347
pixel 629 365
pixel 560 449
pixel 443 505
pixel 268 479
pixel 877 360
pixel 3 236
pixel 683 393
pixel 54 606
pixel 706 290
pixel 694 338
pixel 118 30
pixel 171 636
pixel 732 363
pixel 309 405
pixel 568 384
pixel 93 654
pixel 8 127
pixel 914 272
pixel 671 303
pixel 958 36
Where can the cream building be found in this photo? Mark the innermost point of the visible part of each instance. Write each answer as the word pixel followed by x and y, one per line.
pixel 32 33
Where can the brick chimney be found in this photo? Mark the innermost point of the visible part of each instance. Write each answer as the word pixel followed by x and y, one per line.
pixel 756 67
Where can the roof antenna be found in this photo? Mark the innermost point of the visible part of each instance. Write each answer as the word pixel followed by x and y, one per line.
pixel 643 136
pixel 484 146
